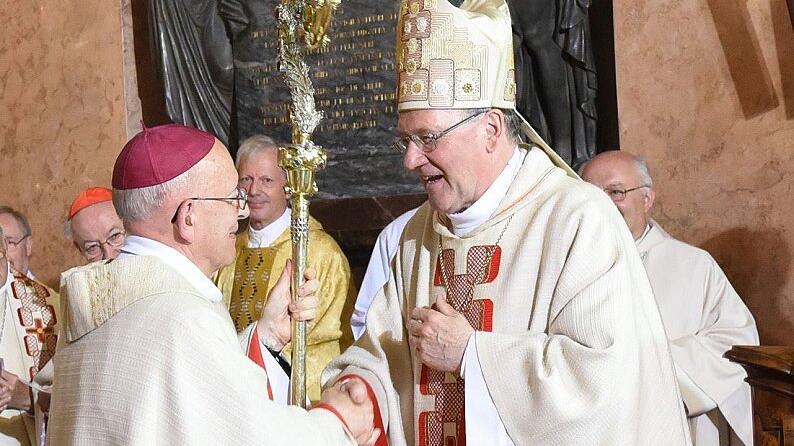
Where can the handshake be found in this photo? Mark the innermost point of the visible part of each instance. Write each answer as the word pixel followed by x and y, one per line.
pixel 349 400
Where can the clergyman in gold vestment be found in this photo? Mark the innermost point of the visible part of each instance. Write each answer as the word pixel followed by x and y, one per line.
pixel 264 246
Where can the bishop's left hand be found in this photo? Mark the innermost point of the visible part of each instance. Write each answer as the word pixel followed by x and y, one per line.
pixel 438 336
pixel 274 325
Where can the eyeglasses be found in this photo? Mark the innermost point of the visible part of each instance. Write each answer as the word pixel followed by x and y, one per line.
pixel 14 243
pixel 241 201
pixel 427 143
pixel 93 248
pixel 620 194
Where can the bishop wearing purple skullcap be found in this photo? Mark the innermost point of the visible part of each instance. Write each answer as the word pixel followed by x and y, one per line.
pixel 149 354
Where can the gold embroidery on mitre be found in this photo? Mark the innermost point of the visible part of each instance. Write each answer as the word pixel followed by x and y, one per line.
pixel 413 45
pixel 441 82
pixel 404 89
pixel 467 84
pixel 410 66
pixel 414 86
pixel 468 55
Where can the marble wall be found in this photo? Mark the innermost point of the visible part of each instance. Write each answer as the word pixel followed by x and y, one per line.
pixel 63 112
pixel 705 94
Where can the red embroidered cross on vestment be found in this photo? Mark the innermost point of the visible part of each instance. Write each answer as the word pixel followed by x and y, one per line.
pixel 37 319
pixel 446 425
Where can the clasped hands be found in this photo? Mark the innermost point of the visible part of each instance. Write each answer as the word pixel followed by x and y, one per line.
pixel 14 393
pixel 274 325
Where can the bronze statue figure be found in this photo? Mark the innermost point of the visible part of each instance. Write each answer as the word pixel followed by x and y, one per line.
pixel 195 64
pixel 555 74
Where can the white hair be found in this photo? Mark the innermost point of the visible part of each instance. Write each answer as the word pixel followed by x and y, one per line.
pixel 139 204
pixel 512 122
pixel 642 169
pixel 639 163
pixel 254 144
pixel 2 241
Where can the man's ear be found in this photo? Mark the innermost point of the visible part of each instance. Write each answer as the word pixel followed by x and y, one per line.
pixel 648 202
pixel 494 128
pixel 29 246
pixel 184 224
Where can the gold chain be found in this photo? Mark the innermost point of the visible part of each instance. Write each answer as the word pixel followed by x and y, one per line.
pixel 480 268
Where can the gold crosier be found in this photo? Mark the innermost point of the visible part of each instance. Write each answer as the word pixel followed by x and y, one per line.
pixel 301 23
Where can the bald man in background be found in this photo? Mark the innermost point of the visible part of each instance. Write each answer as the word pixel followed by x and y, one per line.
pixel 702 313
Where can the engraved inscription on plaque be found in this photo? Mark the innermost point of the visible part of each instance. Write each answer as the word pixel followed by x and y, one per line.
pixel 354 80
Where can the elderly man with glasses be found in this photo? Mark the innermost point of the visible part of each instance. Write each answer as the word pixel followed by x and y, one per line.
pixel 93 225
pixel 19 239
pixel 517 310
pixel 150 354
pixel 703 314
pixel 263 247
pixel 28 335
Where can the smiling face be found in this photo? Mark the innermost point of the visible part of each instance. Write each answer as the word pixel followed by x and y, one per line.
pixel 215 222
pixel 99 226
pixel 260 175
pixel 459 170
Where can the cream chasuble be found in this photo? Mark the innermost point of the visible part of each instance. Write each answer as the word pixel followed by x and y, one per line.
pixel 27 342
pixel 246 284
pixel 569 341
pixel 276 380
pixel 151 357
pixel 703 317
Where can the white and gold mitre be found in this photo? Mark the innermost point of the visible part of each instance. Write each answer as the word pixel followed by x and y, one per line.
pixel 454 58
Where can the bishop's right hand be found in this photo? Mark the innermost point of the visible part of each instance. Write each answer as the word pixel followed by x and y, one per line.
pixel 274 325
pixel 351 400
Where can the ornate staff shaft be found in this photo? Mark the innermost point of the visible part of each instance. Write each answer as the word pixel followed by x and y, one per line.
pixel 302 158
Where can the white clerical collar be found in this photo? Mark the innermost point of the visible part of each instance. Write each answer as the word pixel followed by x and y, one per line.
pixel 9 279
pixel 258 238
pixel 30 275
pixel 476 214
pixel 142 246
pixel 645 233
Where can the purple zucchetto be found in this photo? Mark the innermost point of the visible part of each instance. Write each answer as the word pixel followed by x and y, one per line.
pixel 159 154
